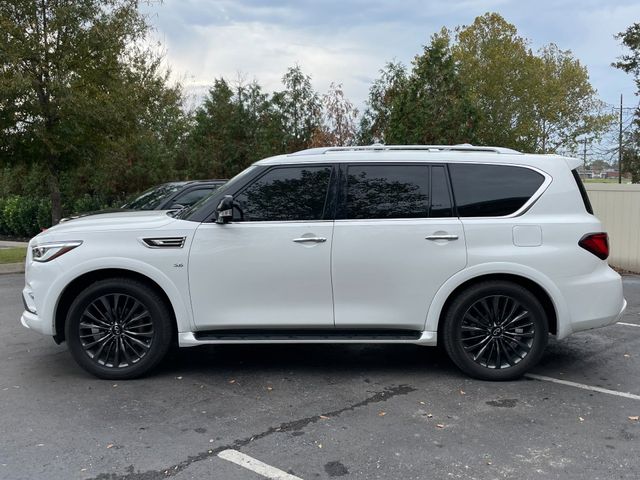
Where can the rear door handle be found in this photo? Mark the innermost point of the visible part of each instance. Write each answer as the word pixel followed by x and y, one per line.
pixel 310 240
pixel 442 237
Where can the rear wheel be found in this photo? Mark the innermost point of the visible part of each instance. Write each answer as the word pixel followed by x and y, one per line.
pixel 495 331
pixel 118 329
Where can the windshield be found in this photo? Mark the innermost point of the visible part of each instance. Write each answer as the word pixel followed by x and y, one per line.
pixel 152 198
pixel 187 211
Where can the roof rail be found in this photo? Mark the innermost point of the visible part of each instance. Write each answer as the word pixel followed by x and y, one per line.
pixel 465 147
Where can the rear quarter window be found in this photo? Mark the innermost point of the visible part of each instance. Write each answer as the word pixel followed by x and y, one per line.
pixel 583 192
pixel 492 190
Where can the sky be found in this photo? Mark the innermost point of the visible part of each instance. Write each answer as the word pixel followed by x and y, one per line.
pixel 349 41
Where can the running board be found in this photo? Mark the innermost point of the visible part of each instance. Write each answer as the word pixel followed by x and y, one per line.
pixel 189 339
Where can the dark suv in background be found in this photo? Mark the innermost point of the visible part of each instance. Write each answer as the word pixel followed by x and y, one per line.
pixel 173 195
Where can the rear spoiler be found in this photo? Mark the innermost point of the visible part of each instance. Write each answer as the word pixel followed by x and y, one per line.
pixel 573 163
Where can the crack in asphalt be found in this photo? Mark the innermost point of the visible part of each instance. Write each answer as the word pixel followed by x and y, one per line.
pixel 294 425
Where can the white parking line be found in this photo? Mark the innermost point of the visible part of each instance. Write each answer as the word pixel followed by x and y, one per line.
pixel 628 324
pixel 583 386
pixel 256 466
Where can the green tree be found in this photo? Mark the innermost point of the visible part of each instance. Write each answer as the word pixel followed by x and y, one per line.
pixel 382 95
pixel 434 106
pixel 220 138
pixel 631 156
pixel 298 109
pixel 599 165
pixel 80 93
pixel 537 103
pixel 235 126
pixel 495 67
pixel 339 117
pixel 563 102
pixel 630 63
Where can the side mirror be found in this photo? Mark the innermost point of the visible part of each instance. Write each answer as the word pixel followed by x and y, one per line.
pixel 225 209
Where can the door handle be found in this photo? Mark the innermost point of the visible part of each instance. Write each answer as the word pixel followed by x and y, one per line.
pixel 310 240
pixel 442 237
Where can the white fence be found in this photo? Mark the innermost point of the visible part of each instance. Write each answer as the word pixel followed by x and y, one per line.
pixel 618 207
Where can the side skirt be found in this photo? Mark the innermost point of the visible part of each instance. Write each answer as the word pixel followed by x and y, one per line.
pixel 266 336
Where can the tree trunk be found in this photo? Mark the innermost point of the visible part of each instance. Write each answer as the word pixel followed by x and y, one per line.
pixel 54 193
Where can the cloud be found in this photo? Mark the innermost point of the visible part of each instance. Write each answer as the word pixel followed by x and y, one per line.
pixel 349 41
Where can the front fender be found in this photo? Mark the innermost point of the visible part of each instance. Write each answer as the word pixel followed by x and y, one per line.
pixel 176 295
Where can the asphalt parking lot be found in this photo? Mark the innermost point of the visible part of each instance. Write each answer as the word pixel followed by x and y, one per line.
pixel 320 411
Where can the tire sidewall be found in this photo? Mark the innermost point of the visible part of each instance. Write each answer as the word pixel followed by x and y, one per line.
pixel 159 316
pixel 451 333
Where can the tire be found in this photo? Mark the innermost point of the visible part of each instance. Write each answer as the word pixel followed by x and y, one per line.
pixel 118 329
pixel 495 330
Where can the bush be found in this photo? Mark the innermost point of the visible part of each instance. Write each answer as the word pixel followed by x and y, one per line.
pixel 4 228
pixel 24 216
pixel 85 203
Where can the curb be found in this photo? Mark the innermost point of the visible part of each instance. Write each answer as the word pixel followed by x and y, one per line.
pixel 11 243
pixel 11 268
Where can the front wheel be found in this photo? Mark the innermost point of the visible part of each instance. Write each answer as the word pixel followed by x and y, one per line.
pixel 118 329
pixel 495 331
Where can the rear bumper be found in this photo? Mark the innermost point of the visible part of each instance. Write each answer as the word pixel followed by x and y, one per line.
pixel 594 300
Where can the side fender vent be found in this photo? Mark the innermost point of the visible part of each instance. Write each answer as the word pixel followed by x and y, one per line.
pixel 164 242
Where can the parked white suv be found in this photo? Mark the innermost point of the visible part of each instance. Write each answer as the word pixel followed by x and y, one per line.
pixel 483 250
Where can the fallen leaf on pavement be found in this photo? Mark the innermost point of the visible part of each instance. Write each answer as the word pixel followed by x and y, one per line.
pixel 440 425
pixel 323 417
pixel 634 418
pixel 110 445
pixel 382 414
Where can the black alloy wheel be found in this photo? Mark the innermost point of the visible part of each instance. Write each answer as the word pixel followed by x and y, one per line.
pixel 119 328
pixel 495 330
pixel 116 330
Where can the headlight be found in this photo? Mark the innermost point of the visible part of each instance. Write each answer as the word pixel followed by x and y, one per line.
pixel 46 252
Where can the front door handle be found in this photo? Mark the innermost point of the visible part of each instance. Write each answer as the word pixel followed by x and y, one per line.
pixel 442 237
pixel 310 240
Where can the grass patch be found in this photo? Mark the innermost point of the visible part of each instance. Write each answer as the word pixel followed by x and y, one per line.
pixel 13 255
pixel 605 180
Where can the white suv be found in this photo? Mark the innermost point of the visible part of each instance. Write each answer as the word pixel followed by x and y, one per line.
pixel 483 250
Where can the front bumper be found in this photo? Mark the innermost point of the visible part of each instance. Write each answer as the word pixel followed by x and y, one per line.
pixel 34 322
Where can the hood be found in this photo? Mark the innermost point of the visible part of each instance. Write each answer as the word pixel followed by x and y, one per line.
pixel 118 220
pixel 95 212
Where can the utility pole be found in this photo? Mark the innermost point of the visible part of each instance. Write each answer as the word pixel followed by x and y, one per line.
pixel 620 145
pixel 584 154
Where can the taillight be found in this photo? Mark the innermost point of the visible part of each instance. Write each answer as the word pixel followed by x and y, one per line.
pixel 596 243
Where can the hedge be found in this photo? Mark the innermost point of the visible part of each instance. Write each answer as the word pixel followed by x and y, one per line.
pixel 26 216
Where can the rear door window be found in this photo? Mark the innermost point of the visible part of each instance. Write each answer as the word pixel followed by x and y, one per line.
pixel 492 190
pixel 387 191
